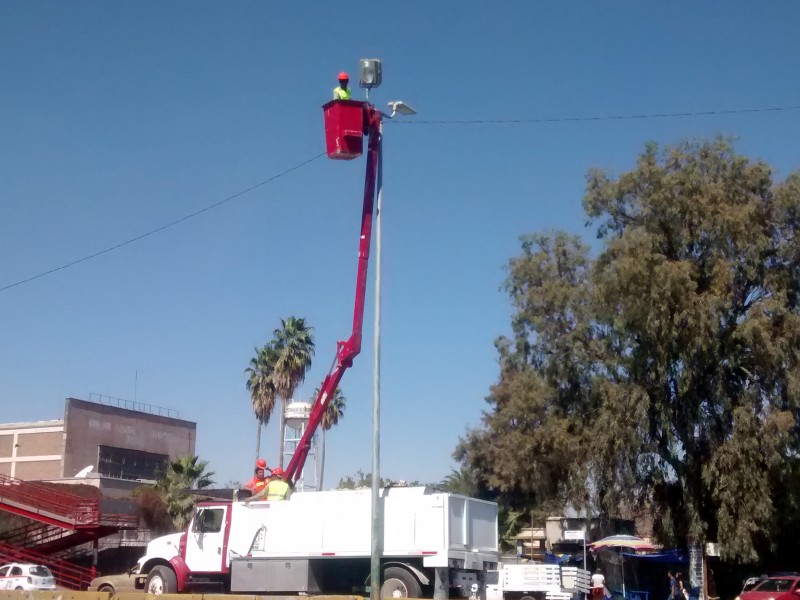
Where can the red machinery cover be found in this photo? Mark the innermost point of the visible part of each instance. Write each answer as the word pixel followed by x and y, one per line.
pixel 344 129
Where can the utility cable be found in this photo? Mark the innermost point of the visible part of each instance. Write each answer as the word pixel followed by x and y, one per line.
pixel 533 120
pixel 666 115
pixel 163 227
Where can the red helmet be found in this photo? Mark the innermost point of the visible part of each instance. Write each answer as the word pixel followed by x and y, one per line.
pixel 344 76
pixel 261 463
pixel 277 471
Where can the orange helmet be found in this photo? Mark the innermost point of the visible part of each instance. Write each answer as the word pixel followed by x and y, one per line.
pixel 261 463
pixel 344 76
pixel 277 471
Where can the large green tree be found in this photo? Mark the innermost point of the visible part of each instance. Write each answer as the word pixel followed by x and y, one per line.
pixel 183 475
pixel 293 345
pixel 330 418
pixel 663 373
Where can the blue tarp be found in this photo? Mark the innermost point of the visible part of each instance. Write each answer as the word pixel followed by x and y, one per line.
pixel 675 556
pixel 556 559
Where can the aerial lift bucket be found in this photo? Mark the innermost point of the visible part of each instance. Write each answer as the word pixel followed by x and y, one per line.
pixel 344 129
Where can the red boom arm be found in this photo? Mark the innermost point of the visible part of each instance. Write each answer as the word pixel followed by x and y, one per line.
pixel 347 350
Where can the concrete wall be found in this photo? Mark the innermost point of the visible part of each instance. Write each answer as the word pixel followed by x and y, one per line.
pixel 37 444
pixel 32 450
pixel 89 425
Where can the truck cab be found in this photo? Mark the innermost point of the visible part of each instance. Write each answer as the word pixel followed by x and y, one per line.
pixel 207 537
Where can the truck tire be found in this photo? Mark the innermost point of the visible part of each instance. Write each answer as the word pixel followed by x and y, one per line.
pixel 399 583
pixel 161 580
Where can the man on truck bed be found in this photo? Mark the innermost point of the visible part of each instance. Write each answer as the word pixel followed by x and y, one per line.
pixel 259 480
pixel 276 488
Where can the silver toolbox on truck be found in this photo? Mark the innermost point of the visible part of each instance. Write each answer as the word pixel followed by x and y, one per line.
pixel 275 575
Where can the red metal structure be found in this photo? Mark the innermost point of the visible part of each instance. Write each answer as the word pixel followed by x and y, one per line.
pixel 46 504
pixel 340 119
pixel 344 129
pixel 58 520
pixel 57 508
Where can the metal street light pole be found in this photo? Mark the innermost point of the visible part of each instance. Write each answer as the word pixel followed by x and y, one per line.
pixel 370 77
pixel 397 107
pixel 377 520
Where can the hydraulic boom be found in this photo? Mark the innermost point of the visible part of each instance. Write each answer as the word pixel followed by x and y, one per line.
pixel 346 350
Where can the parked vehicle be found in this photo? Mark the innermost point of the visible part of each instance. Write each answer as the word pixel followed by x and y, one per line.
pixel 773 588
pixel 25 576
pixel 124 582
pixel 530 581
pixel 319 542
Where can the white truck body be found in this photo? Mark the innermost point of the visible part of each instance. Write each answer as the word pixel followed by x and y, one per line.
pixel 437 527
pixel 530 580
pixel 311 542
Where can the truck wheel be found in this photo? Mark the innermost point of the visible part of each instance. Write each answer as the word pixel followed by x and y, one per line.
pixel 399 583
pixel 161 580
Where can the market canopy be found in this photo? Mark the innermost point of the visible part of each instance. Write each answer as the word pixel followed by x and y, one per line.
pixel 622 541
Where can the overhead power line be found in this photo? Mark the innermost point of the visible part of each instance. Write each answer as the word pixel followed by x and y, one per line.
pixel 163 227
pixel 527 120
pixel 631 117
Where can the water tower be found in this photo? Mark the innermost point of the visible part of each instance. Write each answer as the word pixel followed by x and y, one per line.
pixel 296 416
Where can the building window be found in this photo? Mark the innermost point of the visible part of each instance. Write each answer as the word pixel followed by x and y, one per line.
pixel 123 463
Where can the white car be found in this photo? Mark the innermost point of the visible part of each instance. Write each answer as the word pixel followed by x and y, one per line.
pixel 24 576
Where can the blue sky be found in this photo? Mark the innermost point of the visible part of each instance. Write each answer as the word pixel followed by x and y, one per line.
pixel 116 118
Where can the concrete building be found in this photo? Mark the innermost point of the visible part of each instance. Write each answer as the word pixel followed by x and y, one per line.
pixel 31 450
pixel 533 542
pixel 118 445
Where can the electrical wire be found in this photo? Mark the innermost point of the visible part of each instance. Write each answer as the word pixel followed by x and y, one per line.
pixel 668 115
pixel 163 227
pixel 533 120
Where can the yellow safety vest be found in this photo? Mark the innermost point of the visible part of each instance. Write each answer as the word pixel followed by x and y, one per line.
pixel 341 94
pixel 277 489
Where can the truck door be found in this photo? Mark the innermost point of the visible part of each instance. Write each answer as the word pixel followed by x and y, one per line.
pixel 493 585
pixel 206 539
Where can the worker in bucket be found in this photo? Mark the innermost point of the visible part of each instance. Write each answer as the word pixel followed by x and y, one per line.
pixel 343 91
pixel 259 480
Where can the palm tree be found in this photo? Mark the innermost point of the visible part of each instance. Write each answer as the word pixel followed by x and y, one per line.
pixel 261 387
pixel 183 474
pixel 293 344
pixel 330 417
pixel 461 481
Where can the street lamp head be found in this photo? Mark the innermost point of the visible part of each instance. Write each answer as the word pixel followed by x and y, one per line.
pixel 370 73
pixel 401 108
